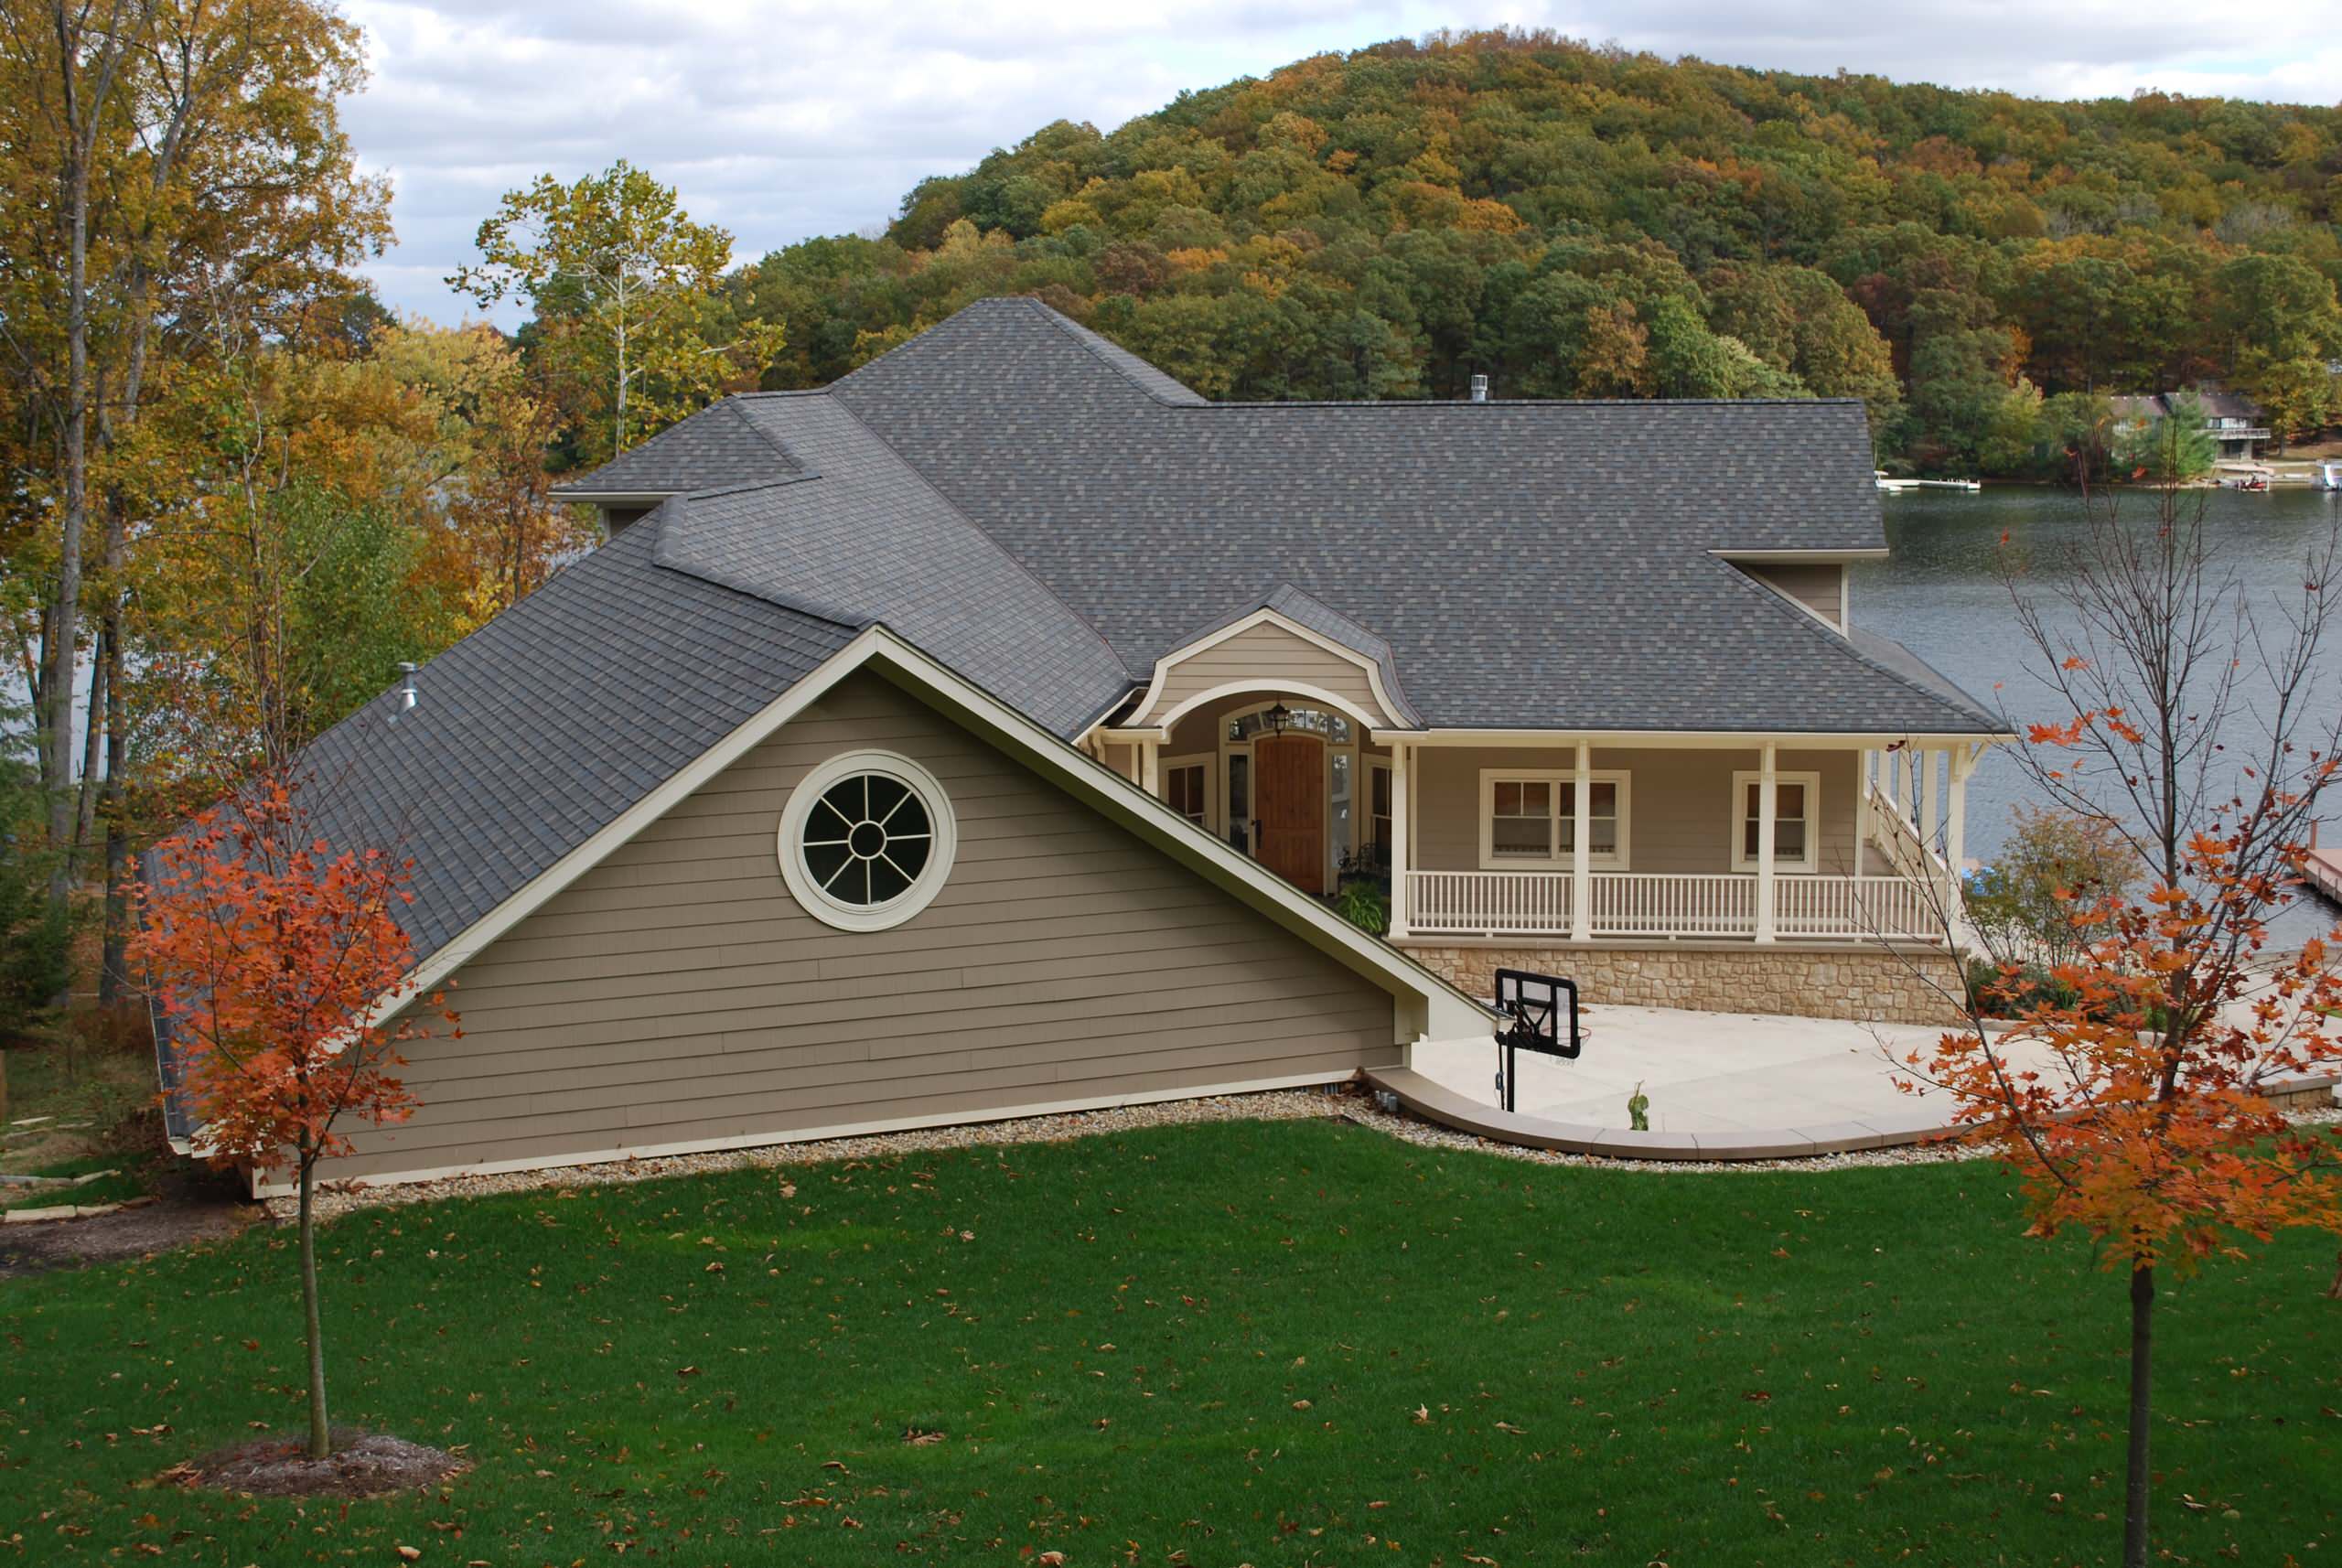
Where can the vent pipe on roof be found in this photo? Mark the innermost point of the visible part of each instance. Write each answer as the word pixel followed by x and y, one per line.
pixel 407 697
pixel 1479 389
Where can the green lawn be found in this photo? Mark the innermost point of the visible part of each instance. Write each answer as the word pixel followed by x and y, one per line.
pixel 1265 1343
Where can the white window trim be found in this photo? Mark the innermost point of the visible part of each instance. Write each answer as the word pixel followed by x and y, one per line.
pixel 1214 787
pixel 1742 783
pixel 1562 860
pixel 943 850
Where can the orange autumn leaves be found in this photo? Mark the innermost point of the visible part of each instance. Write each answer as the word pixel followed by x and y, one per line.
pixel 2132 1096
pixel 268 950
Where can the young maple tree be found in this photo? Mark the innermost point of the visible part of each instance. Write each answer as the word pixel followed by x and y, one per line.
pixel 270 954
pixel 2132 1096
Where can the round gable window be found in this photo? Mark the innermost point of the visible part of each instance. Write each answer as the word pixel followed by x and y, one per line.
pixel 867 841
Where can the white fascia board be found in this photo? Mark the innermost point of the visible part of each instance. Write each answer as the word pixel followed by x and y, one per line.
pixel 1802 557
pixel 1264 615
pixel 1684 740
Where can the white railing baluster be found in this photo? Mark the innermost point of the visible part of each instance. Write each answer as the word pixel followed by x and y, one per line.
pixel 1662 905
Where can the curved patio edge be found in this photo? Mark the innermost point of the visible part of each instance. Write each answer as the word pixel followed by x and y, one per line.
pixel 1438 1103
pixel 1435 1102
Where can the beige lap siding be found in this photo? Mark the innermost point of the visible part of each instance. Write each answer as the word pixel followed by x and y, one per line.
pixel 677 993
pixel 1819 587
pixel 1680 805
pixel 1263 657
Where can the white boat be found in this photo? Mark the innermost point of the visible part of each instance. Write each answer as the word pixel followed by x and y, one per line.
pixel 2329 475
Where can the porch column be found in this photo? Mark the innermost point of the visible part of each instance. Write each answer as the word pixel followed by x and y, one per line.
pixel 1931 811
pixel 1767 797
pixel 1581 868
pixel 1864 761
pixel 1399 844
pixel 1149 751
pixel 1955 831
pixel 1894 790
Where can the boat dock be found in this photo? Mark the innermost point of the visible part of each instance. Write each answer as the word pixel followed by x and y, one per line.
pixel 2323 869
pixel 1896 486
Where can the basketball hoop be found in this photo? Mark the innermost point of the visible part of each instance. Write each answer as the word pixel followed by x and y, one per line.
pixel 1533 1007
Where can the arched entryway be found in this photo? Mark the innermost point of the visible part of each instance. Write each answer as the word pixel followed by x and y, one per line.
pixel 1284 775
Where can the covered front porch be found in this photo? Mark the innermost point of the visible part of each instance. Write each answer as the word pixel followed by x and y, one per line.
pixel 1514 838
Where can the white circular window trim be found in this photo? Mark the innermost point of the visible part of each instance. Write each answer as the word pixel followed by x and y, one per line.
pixel 943 848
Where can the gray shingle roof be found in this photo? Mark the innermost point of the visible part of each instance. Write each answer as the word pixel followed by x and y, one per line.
pixel 1532 565
pixel 857 536
pixel 542 727
pixel 1521 565
pixel 716 446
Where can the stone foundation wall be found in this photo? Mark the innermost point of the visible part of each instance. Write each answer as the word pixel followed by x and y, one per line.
pixel 1869 984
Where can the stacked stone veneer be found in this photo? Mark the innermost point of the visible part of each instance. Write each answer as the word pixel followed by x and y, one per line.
pixel 1867 983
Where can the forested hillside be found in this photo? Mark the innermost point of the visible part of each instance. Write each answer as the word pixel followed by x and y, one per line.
pixel 1576 222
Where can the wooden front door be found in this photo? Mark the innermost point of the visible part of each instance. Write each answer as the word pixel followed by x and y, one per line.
pixel 1289 795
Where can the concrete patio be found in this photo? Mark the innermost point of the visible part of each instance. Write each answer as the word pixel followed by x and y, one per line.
pixel 1703 1072
pixel 1722 1086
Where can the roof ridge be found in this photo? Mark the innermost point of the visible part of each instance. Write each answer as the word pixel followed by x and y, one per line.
pixel 986 534
pixel 669 539
pixel 801 476
pixel 1448 402
pixel 767 436
pixel 1842 642
pixel 1082 337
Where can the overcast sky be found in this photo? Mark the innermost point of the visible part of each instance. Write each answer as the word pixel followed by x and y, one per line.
pixel 781 119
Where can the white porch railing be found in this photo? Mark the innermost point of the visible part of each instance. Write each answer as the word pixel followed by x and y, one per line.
pixel 1636 904
pixel 1630 904
pixel 1856 906
pixel 1493 903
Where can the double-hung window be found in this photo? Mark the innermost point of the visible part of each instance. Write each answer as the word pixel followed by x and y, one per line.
pixel 1529 819
pixel 1796 820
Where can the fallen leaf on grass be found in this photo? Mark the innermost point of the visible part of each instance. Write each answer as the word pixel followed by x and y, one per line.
pixel 920 1438
pixel 1516 1430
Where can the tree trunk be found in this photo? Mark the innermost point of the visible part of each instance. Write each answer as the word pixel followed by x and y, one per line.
pixel 113 964
pixel 2135 1486
pixel 321 1435
pixel 85 808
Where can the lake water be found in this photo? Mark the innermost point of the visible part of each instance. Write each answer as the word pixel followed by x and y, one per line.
pixel 1938 595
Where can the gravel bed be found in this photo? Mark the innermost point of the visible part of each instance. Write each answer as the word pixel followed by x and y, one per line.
pixel 1278 1105
pixel 1348 1102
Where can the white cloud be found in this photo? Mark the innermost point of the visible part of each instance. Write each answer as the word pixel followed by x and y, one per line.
pixel 788 118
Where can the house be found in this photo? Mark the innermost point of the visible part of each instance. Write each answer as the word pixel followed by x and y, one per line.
pixel 2235 423
pixel 986 734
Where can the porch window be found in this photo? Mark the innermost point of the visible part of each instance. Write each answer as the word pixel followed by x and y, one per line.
pixel 1333 728
pixel 1239 801
pixel 1338 797
pixel 1184 783
pixel 1380 814
pixel 1796 820
pixel 1530 820
pixel 1520 819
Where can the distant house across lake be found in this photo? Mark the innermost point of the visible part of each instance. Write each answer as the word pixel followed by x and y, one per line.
pixel 2236 422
